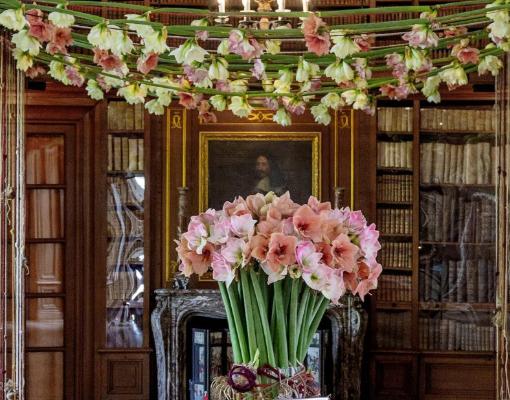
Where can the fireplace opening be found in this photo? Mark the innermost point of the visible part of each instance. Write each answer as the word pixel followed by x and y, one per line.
pixel 208 343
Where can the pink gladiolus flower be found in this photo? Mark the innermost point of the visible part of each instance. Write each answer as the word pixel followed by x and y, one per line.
pixel 242 225
pixel 294 106
pixel 205 114
pixel 271 103
pixel 189 100
pixel 318 44
pixel 74 76
pixel 259 70
pixel 60 39
pixel 34 16
pixel 246 48
pixel 202 35
pixel 467 55
pixel 454 31
pixel 421 36
pixel 344 253
pixel 35 71
pixel 394 92
pixel 222 270
pixel 306 255
pixel 147 63
pixel 312 24
pixel 109 62
pixel 307 223
pixel 101 82
pixel 195 75
pixel 281 251
pixel 41 30
pixel 259 246
pixel 364 41
pixel 223 86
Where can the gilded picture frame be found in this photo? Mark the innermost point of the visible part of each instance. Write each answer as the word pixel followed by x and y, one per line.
pixel 289 149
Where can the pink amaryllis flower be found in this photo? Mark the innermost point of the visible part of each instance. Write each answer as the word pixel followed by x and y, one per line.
pixel 345 253
pixel 285 205
pixel 307 223
pixel 281 251
pixel 317 39
pixel 369 242
pixel 147 62
pixel 259 245
pixel 326 252
pixel 236 207
pixel 307 256
pixel 316 278
pixel 255 203
pixel 366 279
pixel 242 225
pixel 234 251
pixel 334 287
pixel 60 40
pixel 222 270
pixel 191 261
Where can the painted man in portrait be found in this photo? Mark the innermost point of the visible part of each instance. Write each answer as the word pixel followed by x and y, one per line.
pixel 268 178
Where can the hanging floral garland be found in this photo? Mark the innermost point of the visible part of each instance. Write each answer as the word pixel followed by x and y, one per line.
pixel 341 67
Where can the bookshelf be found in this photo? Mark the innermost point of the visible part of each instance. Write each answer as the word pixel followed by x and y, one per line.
pixel 435 208
pixel 125 264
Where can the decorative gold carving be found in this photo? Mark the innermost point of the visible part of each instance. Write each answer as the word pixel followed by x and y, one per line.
pixel 176 121
pixel 264 5
pixel 261 116
pixel 344 120
pixel 203 159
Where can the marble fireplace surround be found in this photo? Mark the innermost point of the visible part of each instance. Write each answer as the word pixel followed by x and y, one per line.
pixel 174 308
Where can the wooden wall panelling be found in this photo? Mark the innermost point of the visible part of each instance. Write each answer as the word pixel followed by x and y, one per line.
pixel 393 377
pixel 457 377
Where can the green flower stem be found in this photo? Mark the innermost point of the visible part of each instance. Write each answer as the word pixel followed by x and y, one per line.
pixel 258 330
pixel 241 334
pixel 281 329
pixel 230 319
pixel 248 313
pixel 273 317
pixel 300 328
pixel 287 285
pixel 263 318
pixel 293 333
pixel 323 305
pixel 306 324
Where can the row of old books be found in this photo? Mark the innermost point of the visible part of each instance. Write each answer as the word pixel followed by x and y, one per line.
pixel 123 116
pixel 454 216
pixel 395 188
pixel 394 221
pixel 455 335
pixel 394 154
pixel 469 280
pixel 394 330
pixel 125 153
pixel 467 163
pixel 396 255
pixel 394 288
pixel 395 119
pixel 45 219
pixel 124 192
pixel 460 120
pixel 44 160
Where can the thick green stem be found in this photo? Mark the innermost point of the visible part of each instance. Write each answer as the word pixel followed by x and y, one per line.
pixel 293 333
pixel 263 318
pixel 230 319
pixel 248 314
pixel 300 328
pixel 258 330
pixel 306 323
pixel 281 328
pixel 317 318
pixel 232 296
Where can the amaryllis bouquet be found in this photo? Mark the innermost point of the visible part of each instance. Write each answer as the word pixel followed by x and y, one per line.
pixel 279 265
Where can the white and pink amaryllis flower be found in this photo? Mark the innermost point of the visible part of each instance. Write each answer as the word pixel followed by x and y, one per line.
pixel 332 251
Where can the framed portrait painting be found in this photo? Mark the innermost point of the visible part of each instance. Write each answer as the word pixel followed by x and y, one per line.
pixel 242 163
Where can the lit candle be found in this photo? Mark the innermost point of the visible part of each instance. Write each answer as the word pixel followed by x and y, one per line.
pixel 247 5
pixel 305 5
pixel 281 5
pixel 221 6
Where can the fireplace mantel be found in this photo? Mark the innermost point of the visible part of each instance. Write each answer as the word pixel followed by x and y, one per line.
pixel 175 306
